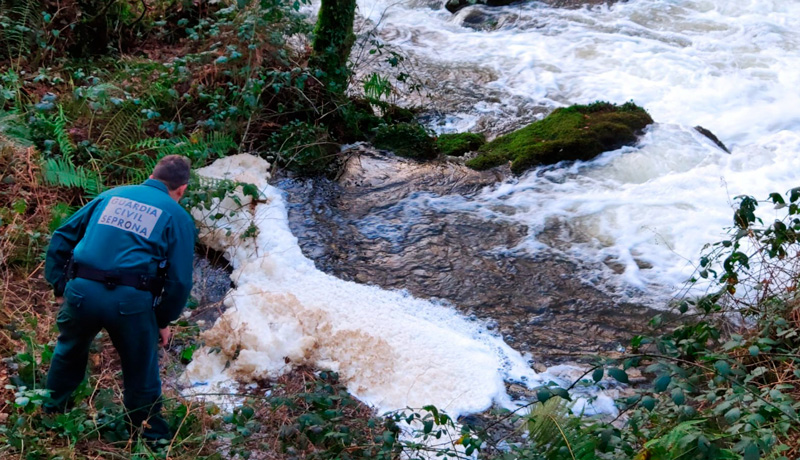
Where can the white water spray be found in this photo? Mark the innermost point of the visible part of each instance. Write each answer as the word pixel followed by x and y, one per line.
pixel 728 65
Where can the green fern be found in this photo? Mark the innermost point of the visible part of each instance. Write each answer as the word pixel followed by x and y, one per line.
pixel 197 148
pixel 19 21
pixel 57 125
pixel 554 434
pixel 122 130
pixel 63 172
pixel 13 129
pixel 61 134
pixel 142 171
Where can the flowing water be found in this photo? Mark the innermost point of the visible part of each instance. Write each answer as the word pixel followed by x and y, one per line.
pixel 730 66
pixel 574 252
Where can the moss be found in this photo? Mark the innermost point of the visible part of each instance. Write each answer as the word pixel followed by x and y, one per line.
pixel 578 132
pixel 458 144
pixel 406 139
pixel 333 39
pixel 486 161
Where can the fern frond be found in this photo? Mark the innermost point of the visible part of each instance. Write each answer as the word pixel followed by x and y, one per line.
pixel 122 130
pixel 59 126
pixel 63 172
pixel 13 129
pixel 220 143
pixel 141 172
pixel 556 434
pixel 19 21
pixel 151 143
pixel 197 148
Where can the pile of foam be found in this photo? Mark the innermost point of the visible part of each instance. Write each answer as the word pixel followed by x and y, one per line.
pixel 391 349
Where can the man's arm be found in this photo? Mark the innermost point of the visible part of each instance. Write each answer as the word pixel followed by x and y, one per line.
pixel 179 272
pixel 63 242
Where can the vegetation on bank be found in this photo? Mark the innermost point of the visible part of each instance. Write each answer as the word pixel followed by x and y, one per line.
pixel 207 80
pixel 412 140
pixel 458 144
pixel 577 132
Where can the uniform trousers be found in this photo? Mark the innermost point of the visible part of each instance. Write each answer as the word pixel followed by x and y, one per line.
pixel 127 316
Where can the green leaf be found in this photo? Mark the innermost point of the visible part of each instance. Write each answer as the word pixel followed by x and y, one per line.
pixel 561 393
pixel 618 374
pixel 597 375
pixel 250 189
pixel 678 397
pixel 794 194
pixel 776 198
pixel 722 367
pixel 751 452
pixel 662 383
pixel 188 353
pixel 543 395
pixel 754 350
pixel 733 415
pixel 248 412
pixel 648 403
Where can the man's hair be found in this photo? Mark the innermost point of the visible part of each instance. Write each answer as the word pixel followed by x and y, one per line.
pixel 173 171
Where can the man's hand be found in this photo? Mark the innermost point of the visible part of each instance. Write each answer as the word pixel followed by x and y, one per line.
pixel 164 336
pixel 59 300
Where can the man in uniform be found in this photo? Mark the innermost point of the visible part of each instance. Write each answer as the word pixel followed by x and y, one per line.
pixel 123 263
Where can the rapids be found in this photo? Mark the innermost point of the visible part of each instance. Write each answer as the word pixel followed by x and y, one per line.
pixel 563 258
pixel 728 65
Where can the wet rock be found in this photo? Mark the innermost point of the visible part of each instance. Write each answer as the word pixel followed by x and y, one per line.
pixel 211 281
pixel 579 3
pixel 577 132
pixel 712 137
pixel 455 5
pixel 379 228
pixel 478 18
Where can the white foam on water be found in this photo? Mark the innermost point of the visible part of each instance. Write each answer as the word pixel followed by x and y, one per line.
pixel 728 65
pixel 392 350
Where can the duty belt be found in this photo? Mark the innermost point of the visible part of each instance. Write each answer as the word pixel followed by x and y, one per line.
pixel 112 279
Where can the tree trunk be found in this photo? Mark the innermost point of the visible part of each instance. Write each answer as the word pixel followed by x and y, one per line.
pixel 333 39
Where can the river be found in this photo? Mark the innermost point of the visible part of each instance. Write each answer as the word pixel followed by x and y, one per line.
pixel 564 258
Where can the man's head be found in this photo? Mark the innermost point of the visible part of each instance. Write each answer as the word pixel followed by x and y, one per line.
pixel 173 171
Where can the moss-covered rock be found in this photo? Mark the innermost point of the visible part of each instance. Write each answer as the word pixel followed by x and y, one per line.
pixel 460 143
pixel 409 140
pixel 577 132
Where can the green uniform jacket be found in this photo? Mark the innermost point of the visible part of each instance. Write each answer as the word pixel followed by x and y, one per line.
pixel 129 229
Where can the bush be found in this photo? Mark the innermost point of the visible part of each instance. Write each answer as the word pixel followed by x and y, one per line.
pixel 304 148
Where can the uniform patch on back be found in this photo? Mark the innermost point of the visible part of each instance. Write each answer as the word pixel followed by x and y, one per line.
pixel 131 216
